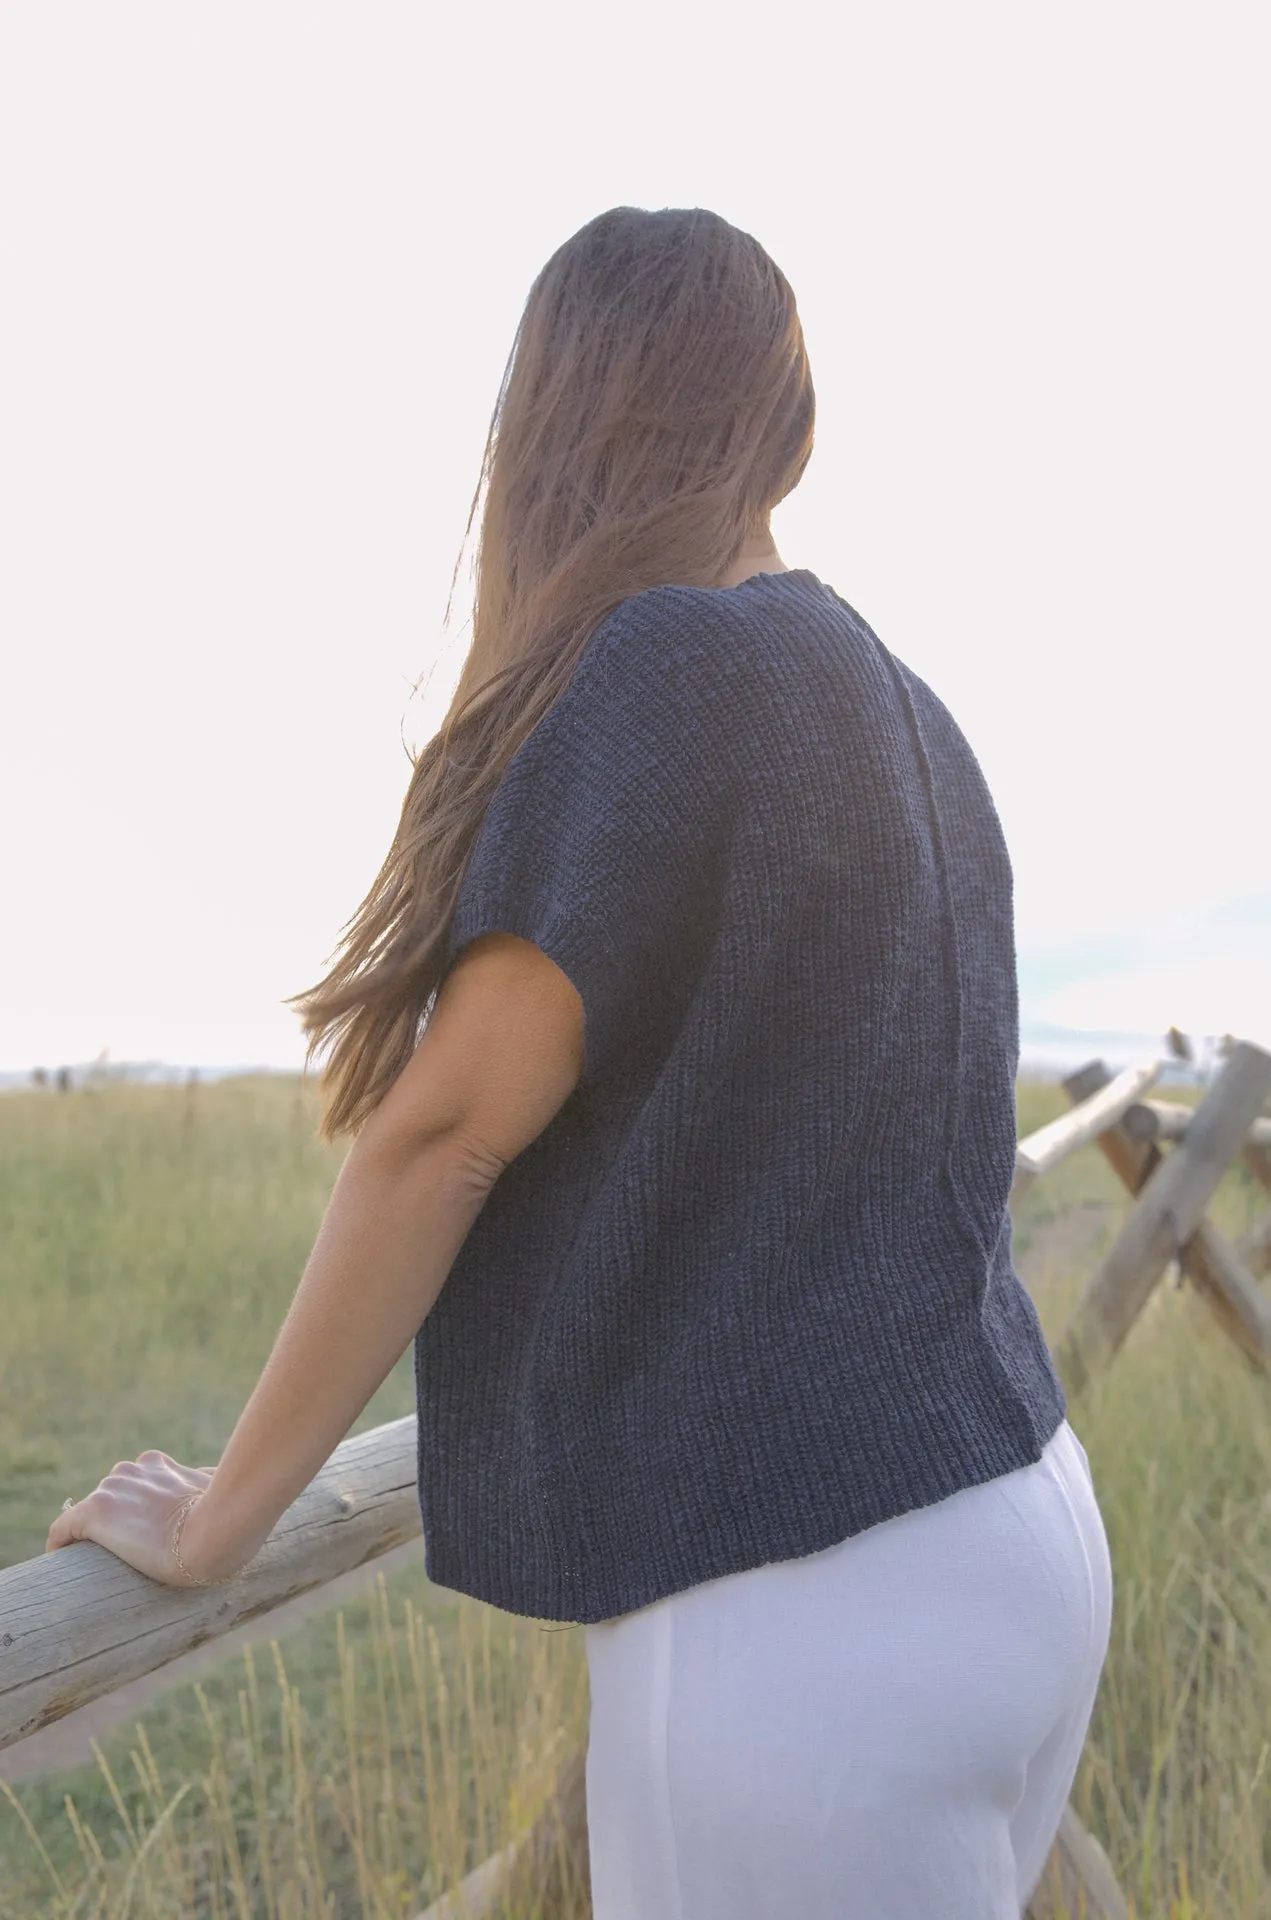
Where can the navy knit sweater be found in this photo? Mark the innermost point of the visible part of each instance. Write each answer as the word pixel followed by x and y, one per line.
pixel 751 1291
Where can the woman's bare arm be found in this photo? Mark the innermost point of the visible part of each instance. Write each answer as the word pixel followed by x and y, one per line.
pixel 502 1051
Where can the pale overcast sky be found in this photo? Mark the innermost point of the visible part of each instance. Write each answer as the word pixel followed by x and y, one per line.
pixel 260 265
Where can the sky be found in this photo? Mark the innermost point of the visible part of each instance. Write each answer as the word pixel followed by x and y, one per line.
pixel 260 267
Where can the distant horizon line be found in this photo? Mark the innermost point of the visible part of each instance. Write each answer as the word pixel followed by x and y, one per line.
pixel 1044 1046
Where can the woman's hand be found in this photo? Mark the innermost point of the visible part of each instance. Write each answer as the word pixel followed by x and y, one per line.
pixel 134 1512
pixel 501 1054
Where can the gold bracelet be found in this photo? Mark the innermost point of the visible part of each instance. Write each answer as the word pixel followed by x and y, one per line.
pixel 183 1515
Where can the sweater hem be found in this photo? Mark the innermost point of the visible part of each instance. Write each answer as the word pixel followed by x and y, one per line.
pixel 659 1565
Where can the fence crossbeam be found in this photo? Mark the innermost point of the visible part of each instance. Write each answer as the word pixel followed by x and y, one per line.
pixel 78 1623
pixel 1167 1212
pixel 1170 1119
pixel 1052 1143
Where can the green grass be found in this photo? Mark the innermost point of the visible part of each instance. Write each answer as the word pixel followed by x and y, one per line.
pixel 361 1767
pixel 150 1241
pixel 149 1244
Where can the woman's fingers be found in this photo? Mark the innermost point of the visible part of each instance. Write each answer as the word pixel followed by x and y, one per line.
pixel 131 1512
pixel 59 1534
pixel 70 1525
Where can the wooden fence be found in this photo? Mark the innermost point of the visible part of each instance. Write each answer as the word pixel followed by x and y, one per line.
pixel 77 1624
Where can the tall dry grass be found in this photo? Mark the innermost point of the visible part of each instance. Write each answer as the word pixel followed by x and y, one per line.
pixel 363 1765
pixel 373 1795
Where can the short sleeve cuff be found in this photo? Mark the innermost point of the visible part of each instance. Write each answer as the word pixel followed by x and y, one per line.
pixel 576 944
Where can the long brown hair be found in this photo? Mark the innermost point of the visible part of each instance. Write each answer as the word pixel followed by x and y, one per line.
pixel 656 405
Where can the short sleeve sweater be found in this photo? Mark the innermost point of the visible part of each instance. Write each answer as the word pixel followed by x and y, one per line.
pixel 751 1291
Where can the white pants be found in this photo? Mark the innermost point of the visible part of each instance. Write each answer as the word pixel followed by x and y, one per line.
pixel 884 1730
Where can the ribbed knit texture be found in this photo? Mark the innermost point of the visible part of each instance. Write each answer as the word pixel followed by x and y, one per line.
pixel 751 1291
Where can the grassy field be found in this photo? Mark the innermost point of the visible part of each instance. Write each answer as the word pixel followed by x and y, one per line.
pixel 150 1240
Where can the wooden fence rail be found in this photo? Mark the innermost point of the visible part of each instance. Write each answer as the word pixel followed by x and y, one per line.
pixel 1223 1275
pixel 1052 1143
pixel 1169 1120
pixel 1171 1194
pixel 77 1624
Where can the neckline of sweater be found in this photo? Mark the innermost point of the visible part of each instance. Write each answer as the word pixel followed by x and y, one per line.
pixel 803 574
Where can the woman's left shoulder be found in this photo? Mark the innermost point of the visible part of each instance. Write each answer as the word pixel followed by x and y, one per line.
pixel 673 649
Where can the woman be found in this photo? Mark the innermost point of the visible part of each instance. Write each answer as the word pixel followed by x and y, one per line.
pixel 693 1190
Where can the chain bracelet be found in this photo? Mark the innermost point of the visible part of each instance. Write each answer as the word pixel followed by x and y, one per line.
pixel 183 1515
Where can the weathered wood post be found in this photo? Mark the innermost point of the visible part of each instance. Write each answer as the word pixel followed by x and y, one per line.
pixel 1165 1119
pixel 1094 1115
pixel 1218 1273
pixel 1255 1248
pixel 546 1872
pixel 1166 1214
pixel 1078 1879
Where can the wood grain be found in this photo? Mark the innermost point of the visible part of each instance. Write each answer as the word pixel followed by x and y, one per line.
pixel 1169 1120
pixel 1052 1143
pixel 77 1623
pixel 1224 1276
pixel 1167 1211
